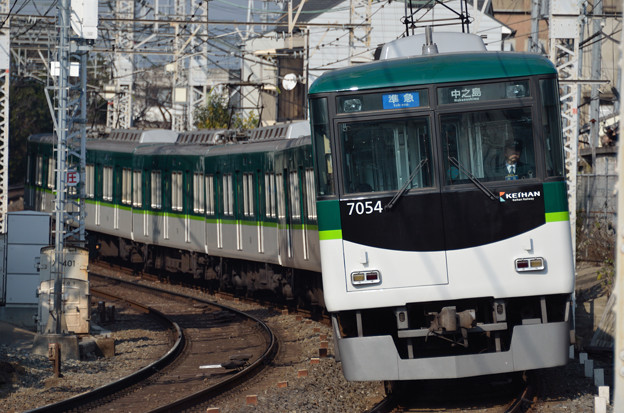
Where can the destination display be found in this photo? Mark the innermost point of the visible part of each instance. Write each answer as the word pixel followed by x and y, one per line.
pixel 382 101
pixel 483 92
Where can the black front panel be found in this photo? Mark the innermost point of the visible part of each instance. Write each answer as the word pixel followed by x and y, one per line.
pixel 413 224
pixel 419 222
pixel 472 219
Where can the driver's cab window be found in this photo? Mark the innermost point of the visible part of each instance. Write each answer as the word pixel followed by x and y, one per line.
pixel 386 155
pixel 488 145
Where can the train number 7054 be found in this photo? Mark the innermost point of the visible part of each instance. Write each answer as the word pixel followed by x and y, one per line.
pixel 364 208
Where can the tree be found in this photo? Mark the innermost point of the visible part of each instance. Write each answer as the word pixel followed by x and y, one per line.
pixel 217 114
pixel 28 114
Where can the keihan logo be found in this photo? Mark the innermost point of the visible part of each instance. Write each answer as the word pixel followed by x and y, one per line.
pixel 519 196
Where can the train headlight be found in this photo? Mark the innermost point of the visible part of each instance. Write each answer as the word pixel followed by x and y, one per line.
pixel 530 264
pixel 365 277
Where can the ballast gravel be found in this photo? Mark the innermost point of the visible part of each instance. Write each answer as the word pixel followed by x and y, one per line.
pixel 297 381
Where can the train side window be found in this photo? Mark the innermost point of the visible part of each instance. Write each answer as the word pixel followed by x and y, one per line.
pixel 89 181
pixel 51 173
pixel 198 193
pixel 322 146
pixel 39 170
pixel 279 189
pixel 137 200
pixel 176 191
pixel 248 198
pixel 551 126
pixel 270 195
pixel 126 186
pixel 156 193
pixel 228 195
pixel 107 183
pixel 310 193
pixel 210 195
pixel 295 205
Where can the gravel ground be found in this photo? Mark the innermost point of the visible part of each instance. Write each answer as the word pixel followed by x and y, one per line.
pixel 298 381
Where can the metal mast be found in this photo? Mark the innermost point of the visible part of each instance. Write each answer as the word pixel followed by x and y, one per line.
pixel 70 130
pixel 179 92
pixel 360 34
pixel 198 67
pixel 119 111
pixel 4 114
pixel 564 53
pixel 618 368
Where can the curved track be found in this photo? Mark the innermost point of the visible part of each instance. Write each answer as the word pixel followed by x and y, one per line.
pixel 204 333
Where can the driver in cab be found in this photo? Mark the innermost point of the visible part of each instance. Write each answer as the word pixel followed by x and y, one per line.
pixel 513 168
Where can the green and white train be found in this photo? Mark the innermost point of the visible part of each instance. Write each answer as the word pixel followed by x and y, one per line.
pixel 236 210
pixel 437 261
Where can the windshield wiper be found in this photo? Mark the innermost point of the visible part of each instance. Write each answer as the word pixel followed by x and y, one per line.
pixel 402 190
pixel 473 179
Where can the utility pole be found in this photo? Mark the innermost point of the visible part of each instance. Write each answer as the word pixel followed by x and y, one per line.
pixel 596 69
pixel 119 109
pixel 69 111
pixel 564 53
pixel 618 291
pixel 4 115
pixel 198 65
pixel 535 19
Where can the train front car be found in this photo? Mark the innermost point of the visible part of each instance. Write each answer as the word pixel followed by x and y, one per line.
pixel 442 212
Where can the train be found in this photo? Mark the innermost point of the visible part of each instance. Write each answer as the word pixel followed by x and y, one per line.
pixel 439 260
pixel 395 209
pixel 234 210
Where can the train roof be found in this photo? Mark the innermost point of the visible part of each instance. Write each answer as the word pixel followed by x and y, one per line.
pixel 224 149
pixel 427 69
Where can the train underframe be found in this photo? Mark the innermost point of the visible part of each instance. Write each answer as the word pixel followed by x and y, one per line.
pixel 242 277
pixel 454 339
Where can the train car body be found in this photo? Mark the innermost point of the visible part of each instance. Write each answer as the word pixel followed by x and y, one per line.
pixel 437 260
pixel 241 214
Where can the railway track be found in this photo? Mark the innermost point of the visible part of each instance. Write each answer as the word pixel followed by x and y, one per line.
pixel 235 344
pixel 496 394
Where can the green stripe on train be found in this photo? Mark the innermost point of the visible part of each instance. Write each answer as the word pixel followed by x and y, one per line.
pixel 557 216
pixel 328 235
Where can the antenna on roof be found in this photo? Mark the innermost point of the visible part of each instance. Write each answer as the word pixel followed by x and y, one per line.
pixel 429 47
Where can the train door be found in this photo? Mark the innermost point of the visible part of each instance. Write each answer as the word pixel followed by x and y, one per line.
pixel 283 220
pixel 310 211
pixel 210 211
pixel 238 202
pixel 296 217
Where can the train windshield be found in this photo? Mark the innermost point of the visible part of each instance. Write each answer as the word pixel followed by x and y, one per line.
pixel 383 155
pixel 491 145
